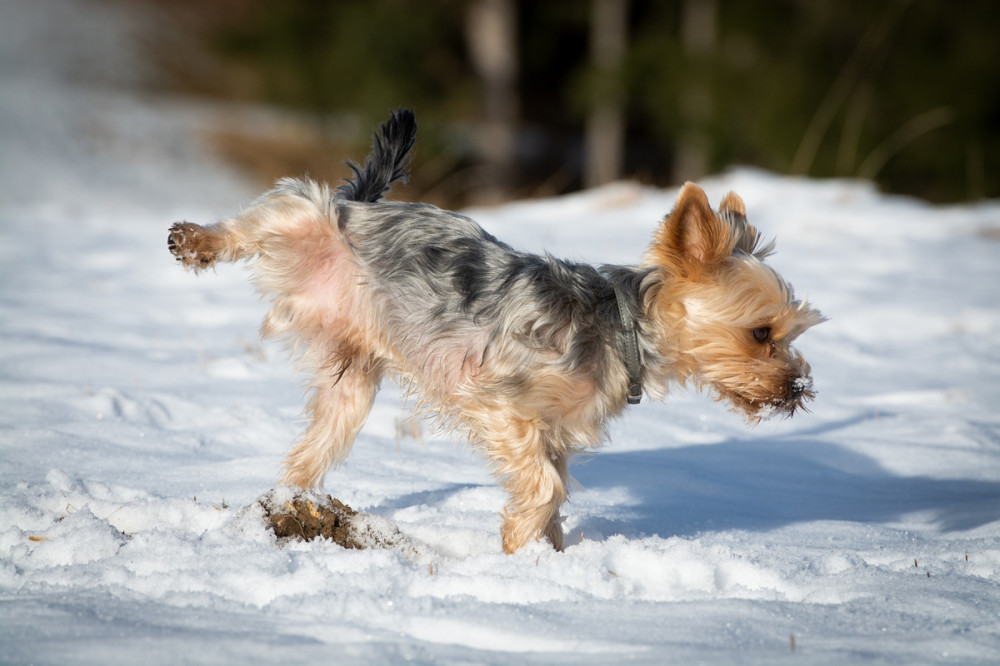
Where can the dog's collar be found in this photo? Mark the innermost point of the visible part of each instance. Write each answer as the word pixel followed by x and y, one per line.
pixel 630 342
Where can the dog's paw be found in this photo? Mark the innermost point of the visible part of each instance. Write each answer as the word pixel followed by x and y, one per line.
pixel 191 245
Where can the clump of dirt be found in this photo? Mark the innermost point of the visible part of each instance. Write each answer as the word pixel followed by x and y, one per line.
pixel 305 516
pixel 305 519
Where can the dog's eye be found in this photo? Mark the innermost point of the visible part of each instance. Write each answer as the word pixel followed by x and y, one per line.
pixel 762 334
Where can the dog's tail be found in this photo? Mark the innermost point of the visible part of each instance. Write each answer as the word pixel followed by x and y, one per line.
pixel 387 161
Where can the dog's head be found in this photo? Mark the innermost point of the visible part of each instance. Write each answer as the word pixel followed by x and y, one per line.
pixel 726 317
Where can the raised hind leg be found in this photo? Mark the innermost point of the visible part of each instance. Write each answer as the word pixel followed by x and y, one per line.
pixel 199 247
pixel 291 206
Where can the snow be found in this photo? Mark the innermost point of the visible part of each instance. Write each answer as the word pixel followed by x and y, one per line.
pixel 140 419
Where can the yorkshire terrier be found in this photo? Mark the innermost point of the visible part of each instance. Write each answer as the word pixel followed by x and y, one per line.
pixel 527 355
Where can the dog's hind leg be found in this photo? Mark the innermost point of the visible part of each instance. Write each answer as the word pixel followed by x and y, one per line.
pixel 343 395
pixel 196 246
pixel 291 209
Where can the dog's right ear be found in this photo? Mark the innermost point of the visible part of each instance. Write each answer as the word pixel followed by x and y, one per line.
pixel 691 238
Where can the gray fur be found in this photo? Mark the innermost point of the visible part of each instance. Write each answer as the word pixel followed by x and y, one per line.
pixel 530 355
pixel 391 146
pixel 441 275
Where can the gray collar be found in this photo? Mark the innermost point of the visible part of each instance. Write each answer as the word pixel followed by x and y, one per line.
pixel 630 344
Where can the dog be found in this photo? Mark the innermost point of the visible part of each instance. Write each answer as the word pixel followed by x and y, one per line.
pixel 528 355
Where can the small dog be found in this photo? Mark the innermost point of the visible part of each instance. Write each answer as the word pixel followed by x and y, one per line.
pixel 528 355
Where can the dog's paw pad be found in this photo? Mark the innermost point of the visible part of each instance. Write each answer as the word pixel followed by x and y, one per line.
pixel 190 245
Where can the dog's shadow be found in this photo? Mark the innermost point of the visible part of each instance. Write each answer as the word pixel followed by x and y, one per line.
pixel 758 485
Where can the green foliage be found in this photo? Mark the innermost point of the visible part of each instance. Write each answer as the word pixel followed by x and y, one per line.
pixel 361 56
pixel 905 91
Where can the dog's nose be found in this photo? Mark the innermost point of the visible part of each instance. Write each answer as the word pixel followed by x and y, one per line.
pixel 799 386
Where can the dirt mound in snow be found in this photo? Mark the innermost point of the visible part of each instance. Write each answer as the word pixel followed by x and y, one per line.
pixel 305 515
pixel 303 518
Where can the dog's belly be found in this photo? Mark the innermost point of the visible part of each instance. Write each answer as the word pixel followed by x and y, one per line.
pixel 438 359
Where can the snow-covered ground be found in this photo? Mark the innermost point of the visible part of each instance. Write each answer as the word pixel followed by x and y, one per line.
pixel 140 416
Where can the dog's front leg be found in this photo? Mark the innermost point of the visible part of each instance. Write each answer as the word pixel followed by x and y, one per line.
pixel 534 474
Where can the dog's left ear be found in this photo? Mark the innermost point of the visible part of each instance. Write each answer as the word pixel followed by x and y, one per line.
pixel 748 239
pixel 732 203
pixel 692 238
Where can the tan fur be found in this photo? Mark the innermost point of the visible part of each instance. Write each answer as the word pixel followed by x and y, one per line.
pixel 705 293
pixel 715 289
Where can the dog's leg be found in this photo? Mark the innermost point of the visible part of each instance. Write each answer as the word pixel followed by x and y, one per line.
pixel 535 477
pixel 341 402
pixel 554 530
pixel 289 208
pixel 200 247
pixel 196 246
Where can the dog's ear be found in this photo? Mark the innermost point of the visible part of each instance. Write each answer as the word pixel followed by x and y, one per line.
pixel 732 204
pixel 748 239
pixel 692 238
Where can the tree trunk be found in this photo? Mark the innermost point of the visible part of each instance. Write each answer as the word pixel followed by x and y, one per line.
pixel 491 30
pixel 694 145
pixel 605 140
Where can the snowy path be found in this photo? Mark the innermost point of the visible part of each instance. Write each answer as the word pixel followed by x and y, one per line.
pixel 140 415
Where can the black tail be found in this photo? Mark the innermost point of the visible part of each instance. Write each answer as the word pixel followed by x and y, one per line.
pixel 386 163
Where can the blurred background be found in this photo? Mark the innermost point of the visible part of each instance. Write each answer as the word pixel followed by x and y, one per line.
pixel 525 98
